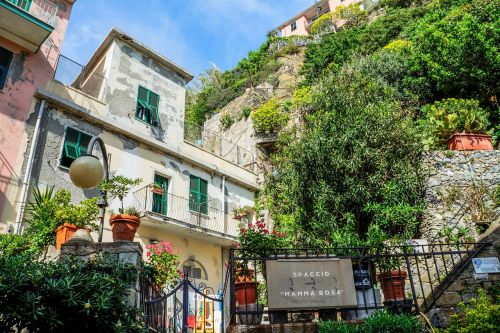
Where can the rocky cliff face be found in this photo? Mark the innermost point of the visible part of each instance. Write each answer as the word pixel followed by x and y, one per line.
pixel 238 141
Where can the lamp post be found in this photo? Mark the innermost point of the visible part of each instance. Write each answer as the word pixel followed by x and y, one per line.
pixel 87 172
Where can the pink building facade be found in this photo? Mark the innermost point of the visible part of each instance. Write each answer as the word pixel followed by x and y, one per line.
pixel 300 24
pixel 31 37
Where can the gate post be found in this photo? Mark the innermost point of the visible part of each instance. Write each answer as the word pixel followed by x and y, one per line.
pixel 185 304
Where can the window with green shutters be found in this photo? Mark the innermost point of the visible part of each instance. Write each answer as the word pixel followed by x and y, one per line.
pixel 160 200
pixel 75 145
pixel 198 195
pixel 147 106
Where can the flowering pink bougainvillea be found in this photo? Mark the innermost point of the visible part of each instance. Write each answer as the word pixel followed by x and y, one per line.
pixel 165 261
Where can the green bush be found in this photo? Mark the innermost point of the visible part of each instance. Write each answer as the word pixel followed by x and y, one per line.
pixel 444 118
pixel 479 316
pixel 269 117
pixel 456 50
pixel 245 111
pixel 69 295
pixel 322 24
pixel 338 327
pixel 383 321
pixel 379 322
pixel 13 244
pixel 226 121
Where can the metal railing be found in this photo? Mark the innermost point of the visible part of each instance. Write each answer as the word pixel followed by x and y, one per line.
pixel 171 207
pixel 72 74
pixel 43 10
pixel 215 143
pixel 423 273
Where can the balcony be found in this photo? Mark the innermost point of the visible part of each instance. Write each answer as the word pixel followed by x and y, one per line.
pixel 27 22
pixel 184 217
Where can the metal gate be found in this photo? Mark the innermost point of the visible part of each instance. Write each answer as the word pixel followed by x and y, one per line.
pixel 187 307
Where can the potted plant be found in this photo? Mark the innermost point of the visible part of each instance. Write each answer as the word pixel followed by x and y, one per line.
pixel 75 217
pixel 156 188
pixel 123 225
pixel 460 123
pixel 239 213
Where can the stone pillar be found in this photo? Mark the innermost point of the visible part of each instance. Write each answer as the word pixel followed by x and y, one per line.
pixel 126 252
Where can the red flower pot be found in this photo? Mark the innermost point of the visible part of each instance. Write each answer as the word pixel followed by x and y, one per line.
pixel 124 226
pixel 469 141
pixel 246 292
pixel 64 233
pixel 393 284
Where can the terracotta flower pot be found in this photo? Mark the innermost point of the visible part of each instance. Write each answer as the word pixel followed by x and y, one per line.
pixel 469 141
pixel 246 292
pixel 124 226
pixel 245 275
pixel 393 284
pixel 64 233
pixel 157 190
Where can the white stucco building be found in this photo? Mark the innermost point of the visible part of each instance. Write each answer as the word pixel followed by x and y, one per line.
pixel 134 99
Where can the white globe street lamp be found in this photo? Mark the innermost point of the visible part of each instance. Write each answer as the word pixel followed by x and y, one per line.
pixel 87 172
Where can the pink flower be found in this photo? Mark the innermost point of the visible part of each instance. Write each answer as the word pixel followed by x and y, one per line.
pixel 148 253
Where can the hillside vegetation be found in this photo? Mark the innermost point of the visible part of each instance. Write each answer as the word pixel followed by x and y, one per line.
pixel 351 174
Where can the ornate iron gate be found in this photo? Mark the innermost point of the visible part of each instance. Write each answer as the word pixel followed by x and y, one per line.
pixel 186 307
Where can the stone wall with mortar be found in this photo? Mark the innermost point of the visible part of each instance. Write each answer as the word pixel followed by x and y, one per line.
pixel 466 285
pixel 459 192
pixel 125 252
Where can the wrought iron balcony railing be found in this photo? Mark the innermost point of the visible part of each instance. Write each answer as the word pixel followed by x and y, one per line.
pixel 149 200
pixel 43 10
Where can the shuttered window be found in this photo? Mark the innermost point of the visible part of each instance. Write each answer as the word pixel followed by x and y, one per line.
pixel 75 145
pixel 147 106
pixel 198 195
pixel 24 4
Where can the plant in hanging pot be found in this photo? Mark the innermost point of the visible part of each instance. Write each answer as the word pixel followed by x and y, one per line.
pixel 239 213
pixel 123 225
pixel 156 188
pixel 460 123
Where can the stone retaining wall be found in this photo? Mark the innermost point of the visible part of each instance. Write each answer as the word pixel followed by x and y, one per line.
pixel 459 192
pixel 466 285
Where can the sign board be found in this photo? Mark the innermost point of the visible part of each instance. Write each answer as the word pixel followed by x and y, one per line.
pixel 486 265
pixel 310 284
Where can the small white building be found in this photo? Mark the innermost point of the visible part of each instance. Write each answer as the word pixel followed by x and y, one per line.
pixel 134 99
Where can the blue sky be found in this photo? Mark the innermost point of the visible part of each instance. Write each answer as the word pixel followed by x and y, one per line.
pixel 192 33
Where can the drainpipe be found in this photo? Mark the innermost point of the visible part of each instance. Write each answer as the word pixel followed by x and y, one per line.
pixel 29 167
pixel 223 200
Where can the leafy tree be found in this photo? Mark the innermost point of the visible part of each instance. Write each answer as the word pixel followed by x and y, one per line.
pixel 354 164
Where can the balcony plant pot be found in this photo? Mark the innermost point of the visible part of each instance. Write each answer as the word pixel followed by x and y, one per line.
pixel 124 226
pixel 245 292
pixel 64 233
pixel 156 189
pixel 470 141
pixel 393 284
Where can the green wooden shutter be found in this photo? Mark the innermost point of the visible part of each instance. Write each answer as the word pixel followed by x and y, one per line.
pixel 71 150
pixel 203 198
pixel 154 100
pixel 142 103
pixel 193 193
pixel 160 201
